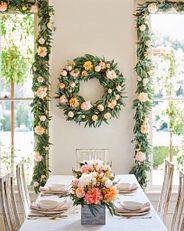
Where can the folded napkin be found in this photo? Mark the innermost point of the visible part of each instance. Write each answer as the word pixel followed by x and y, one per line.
pixel 144 208
pixel 127 187
pixel 59 208
pixel 49 190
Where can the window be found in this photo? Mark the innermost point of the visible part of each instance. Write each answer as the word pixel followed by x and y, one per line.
pixel 168 84
pixel 16 58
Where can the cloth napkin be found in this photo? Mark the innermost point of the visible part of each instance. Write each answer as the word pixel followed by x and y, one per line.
pixel 121 209
pixel 130 188
pixel 48 190
pixel 61 207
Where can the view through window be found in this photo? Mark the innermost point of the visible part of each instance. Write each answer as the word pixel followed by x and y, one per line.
pixel 168 84
pixel 16 58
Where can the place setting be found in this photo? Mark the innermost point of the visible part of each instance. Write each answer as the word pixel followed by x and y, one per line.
pixel 126 188
pixel 59 190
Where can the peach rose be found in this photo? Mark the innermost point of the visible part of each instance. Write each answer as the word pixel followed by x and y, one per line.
pixel 39 130
pixel 34 9
pixel 37 157
pixel 41 92
pixel 50 25
pixel 41 41
pixel 72 84
pixel 74 73
pixel 85 106
pixel 140 156
pixel 84 73
pixel 110 194
pixel 152 8
pixel 143 97
pixel 117 97
pixel 74 102
pixel 107 116
pixel 36 184
pixel 63 99
pixel 100 107
pixel 112 104
pixel 61 86
pixel 145 129
pixel 102 65
pixel 80 192
pixel 3 6
pixel 42 51
pixel 69 67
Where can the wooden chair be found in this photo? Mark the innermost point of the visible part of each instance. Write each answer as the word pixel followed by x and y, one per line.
pixel 91 154
pixel 178 217
pixel 9 209
pixel 22 189
pixel 166 190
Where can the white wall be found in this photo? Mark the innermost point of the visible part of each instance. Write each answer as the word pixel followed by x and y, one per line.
pixel 104 27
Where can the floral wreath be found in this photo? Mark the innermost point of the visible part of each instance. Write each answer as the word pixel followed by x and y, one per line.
pixel 78 109
pixel 40 87
pixel 142 104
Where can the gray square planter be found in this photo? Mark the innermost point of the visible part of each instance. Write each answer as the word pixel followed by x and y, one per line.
pixel 87 218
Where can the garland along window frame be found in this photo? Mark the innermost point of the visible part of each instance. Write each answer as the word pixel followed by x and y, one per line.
pixel 40 86
pixel 143 104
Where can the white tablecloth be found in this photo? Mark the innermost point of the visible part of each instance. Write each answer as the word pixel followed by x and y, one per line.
pixel 114 223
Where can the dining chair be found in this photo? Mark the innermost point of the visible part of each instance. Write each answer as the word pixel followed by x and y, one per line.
pixel 166 191
pixel 9 208
pixel 91 154
pixel 25 200
pixel 178 217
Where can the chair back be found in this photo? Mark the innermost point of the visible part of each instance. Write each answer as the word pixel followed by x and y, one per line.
pixel 166 191
pixel 22 189
pixel 178 217
pixel 91 154
pixel 9 209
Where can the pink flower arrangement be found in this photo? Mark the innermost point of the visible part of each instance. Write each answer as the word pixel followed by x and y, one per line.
pixel 93 196
pixel 94 184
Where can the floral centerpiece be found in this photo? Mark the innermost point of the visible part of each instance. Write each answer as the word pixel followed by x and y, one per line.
pixel 94 188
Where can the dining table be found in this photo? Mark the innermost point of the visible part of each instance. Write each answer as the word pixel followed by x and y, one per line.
pixel 72 222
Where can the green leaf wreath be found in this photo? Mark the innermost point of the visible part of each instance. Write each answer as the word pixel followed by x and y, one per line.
pixel 75 106
pixel 40 107
pixel 142 104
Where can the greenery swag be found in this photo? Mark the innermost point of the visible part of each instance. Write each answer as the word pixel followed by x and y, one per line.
pixel 85 68
pixel 40 104
pixel 142 104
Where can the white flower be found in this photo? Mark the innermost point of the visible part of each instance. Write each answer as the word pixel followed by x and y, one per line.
pixel 41 41
pixel 118 88
pixel 148 43
pixel 117 97
pixel 70 114
pixel 36 184
pixel 34 9
pixel 43 118
pixel 72 84
pixel 152 8
pixel 83 116
pixel 139 78
pixel 100 107
pixel 145 81
pixel 94 118
pixel 111 74
pixel 64 73
pixel 109 91
pixel 140 156
pixel 50 25
pixel 85 179
pixel 85 106
pixel 142 27
pixel 69 67
pixel 108 183
pixel 98 68
pixel 40 79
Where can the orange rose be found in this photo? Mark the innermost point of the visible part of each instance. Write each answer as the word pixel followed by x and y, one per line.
pixel 110 194
pixel 74 102
pixel 84 73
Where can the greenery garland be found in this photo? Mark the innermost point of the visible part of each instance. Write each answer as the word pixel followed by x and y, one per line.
pixel 142 104
pixel 75 106
pixel 40 104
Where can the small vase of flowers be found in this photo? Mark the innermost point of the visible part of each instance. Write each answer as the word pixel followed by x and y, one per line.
pixel 94 188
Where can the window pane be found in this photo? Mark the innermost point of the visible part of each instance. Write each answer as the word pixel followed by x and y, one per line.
pixel 168 54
